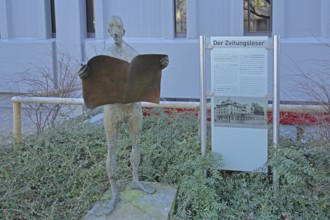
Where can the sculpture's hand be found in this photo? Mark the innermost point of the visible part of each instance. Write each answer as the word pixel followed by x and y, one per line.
pixel 83 71
pixel 164 62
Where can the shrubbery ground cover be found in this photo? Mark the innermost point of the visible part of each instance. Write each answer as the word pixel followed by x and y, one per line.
pixel 61 174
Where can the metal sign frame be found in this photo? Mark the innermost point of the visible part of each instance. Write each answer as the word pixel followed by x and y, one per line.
pixel 276 99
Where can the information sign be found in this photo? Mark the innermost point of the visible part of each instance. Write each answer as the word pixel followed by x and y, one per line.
pixel 239 70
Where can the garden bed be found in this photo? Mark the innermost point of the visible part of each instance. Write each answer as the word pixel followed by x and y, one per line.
pixel 60 174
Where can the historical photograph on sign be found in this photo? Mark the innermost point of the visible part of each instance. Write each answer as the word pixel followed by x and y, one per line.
pixel 240 112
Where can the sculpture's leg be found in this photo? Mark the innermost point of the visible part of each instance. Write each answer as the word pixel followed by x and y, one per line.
pixel 135 129
pixel 111 124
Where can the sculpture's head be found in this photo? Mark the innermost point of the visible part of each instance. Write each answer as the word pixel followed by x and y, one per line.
pixel 116 29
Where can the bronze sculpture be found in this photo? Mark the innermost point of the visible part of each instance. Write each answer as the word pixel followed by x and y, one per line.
pixel 119 108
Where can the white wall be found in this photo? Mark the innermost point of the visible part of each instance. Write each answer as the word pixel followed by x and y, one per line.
pixel 26 20
pixel 309 57
pixel 303 18
pixel 325 18
pixel 16 56
pixel 142 19
pixel 26 35
pixel 25 32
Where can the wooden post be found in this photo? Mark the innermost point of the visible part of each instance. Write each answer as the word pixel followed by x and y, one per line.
pixel 17 128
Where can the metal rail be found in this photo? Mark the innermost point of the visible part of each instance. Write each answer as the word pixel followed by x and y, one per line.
pixel 19 100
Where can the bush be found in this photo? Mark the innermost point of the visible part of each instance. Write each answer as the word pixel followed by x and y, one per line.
pixel 61 174
pixel 58 175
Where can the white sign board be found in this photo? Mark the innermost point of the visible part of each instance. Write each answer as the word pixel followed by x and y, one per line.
pixel 239 67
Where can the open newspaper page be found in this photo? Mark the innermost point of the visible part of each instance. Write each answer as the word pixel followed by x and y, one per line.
pixel 111 80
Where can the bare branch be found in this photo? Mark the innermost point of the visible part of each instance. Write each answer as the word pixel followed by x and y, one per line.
pixel 39 80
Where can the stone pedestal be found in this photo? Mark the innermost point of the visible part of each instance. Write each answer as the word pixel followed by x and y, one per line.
pixel 136 205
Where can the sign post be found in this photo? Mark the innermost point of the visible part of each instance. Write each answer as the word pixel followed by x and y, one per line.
pixel 276 105
pixel 203 111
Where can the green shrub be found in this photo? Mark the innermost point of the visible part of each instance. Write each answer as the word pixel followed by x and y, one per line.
pixel 57 175
pixel 61 174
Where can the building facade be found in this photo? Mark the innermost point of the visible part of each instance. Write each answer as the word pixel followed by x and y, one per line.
pixel 34 32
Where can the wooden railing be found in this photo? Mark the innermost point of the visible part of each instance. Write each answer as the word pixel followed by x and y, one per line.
pixel 290 114
pixel 19 100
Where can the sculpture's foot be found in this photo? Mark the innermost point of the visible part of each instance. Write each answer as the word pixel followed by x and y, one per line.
pixel 143 187
pixel 107 208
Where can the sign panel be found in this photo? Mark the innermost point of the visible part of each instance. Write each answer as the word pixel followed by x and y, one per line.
pixel 239 67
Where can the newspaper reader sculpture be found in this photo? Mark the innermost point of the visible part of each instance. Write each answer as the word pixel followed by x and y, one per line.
pixel 109 80
pixel 119 80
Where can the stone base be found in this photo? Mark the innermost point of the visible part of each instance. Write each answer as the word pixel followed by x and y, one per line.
pixel 136 205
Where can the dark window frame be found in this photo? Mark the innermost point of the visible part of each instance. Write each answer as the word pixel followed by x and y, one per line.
pixel 247 28
pixel 90 18
pixel 53 18
pixel 180 33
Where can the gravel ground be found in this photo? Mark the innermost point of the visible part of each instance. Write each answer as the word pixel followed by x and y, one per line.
pixel 6 121
pixel 6 127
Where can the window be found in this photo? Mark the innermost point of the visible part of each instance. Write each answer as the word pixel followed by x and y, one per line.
pixel 52 14
pixel 257 17
pixel 180 18
pixel 90 18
